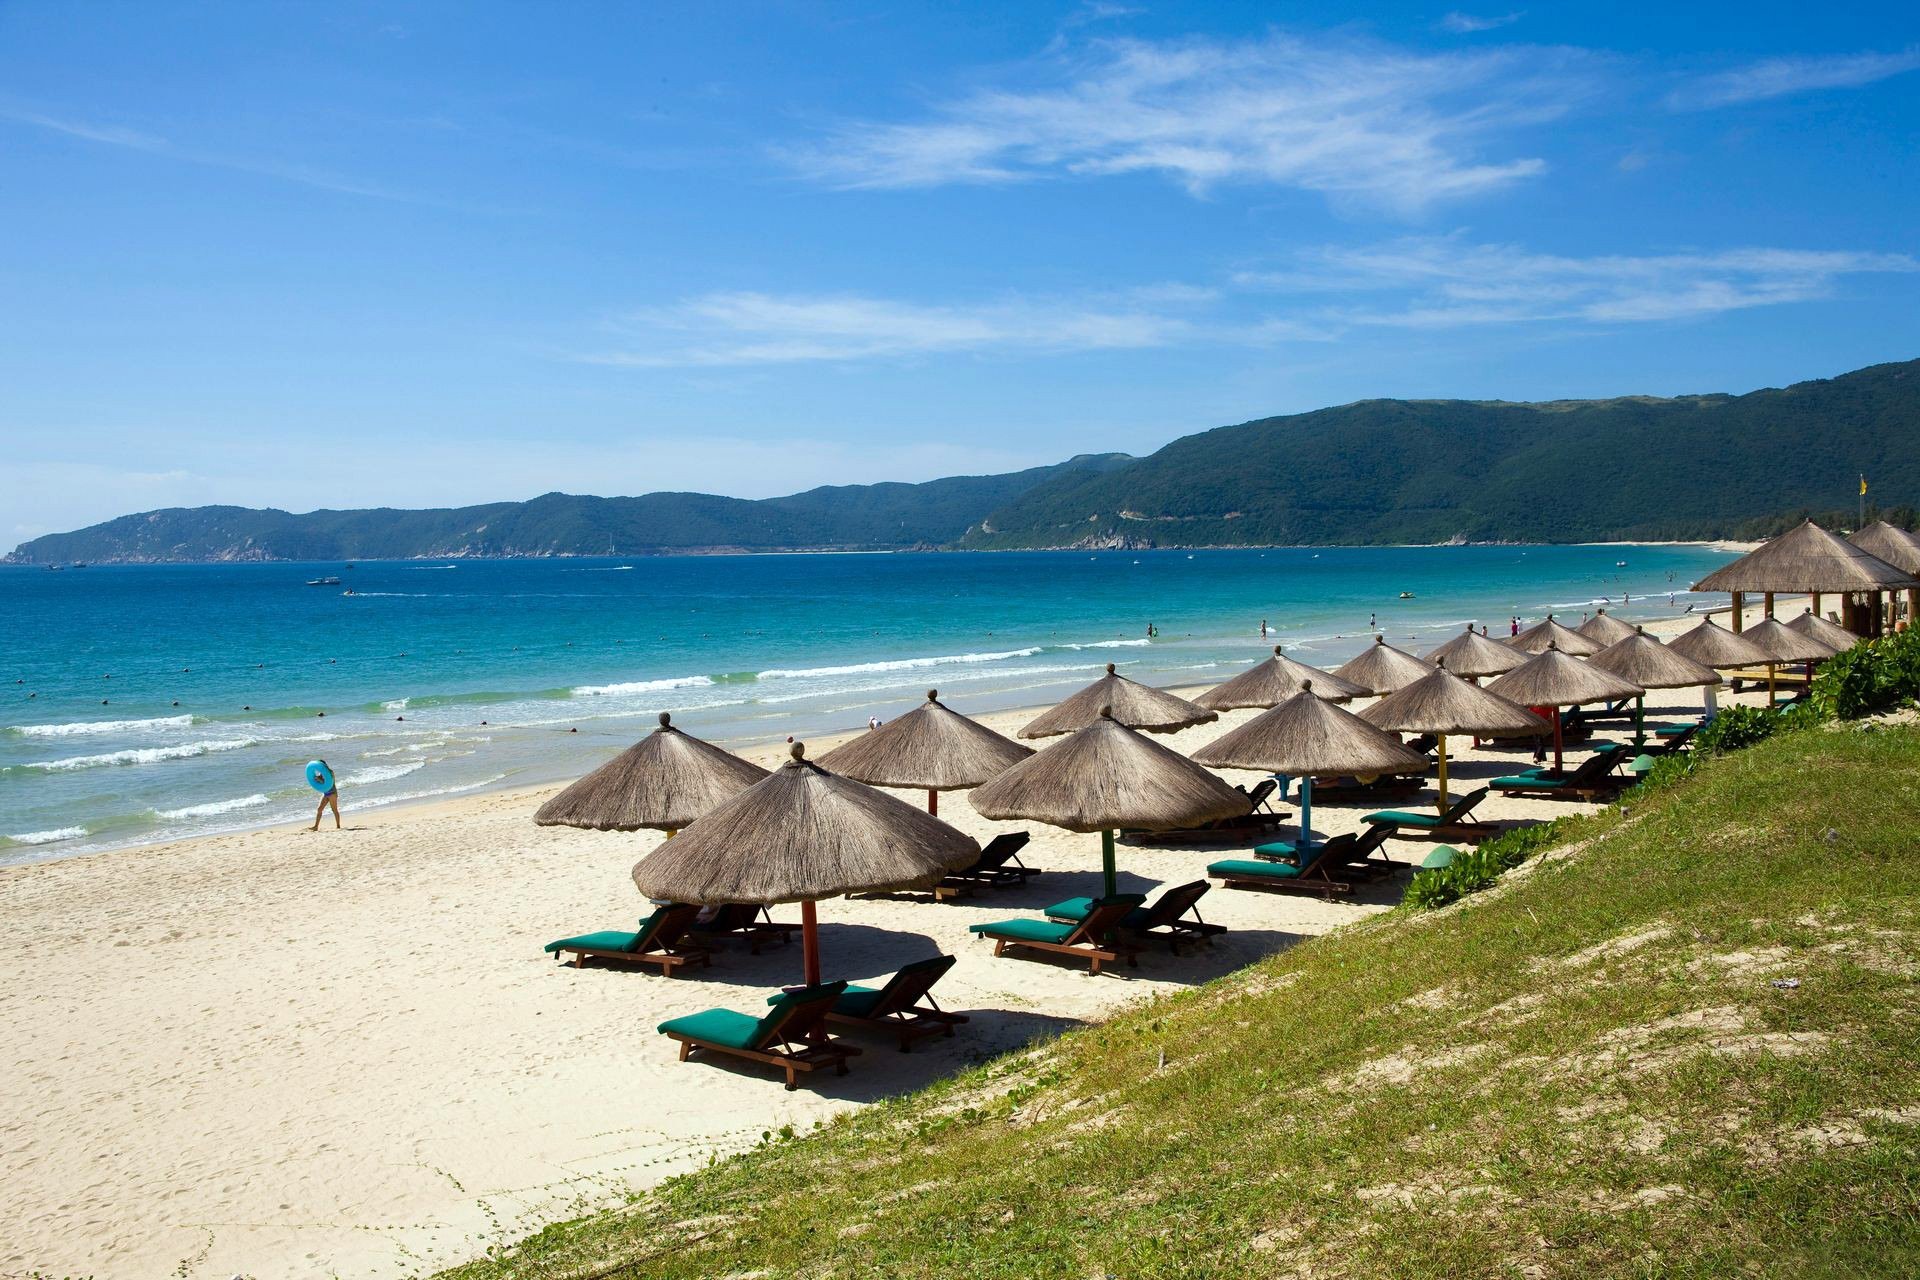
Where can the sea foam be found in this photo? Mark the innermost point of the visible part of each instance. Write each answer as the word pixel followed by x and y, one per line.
pixel 48 837
pixel 641 686
pixel 80 728
pixel 899 664
pixel 216 807
pixel 142 755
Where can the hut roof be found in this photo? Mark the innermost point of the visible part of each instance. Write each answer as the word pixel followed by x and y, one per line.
pixel 1471 655
pixel 1652 665
pixel 1783 644
pixel 1381 668
pixel 1712 645
pixel 1807 558
pixel 1890 543
pixel 1305 735
pixel 1556 679
pixel 1818 628
pixel 1605 629
pixel 1549 633
pixel 1273 681
pixel 931 746
pixel 1441 702
pixel 801 834
pixel 1105 776
pixel 662 782
pixel 1135 705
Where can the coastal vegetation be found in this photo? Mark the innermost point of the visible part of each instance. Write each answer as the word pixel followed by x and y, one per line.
pixel 1676 1039
pixel 1372 472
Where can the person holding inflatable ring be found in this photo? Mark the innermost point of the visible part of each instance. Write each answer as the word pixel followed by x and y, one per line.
pixel 320 777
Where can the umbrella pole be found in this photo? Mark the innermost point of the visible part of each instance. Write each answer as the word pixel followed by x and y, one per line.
pixel 1640 721
pixel 1770 670
pixel 1306 814
pixel 1559 766
pixel 1106 861
pixel 933 802
pixel 1443 770
pixel 809 943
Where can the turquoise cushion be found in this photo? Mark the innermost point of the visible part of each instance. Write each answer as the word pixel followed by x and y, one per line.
pixel 717 1026
pixel 1248 867
pixel 1530 782
pixel 858 1002
pixel 1278 851
pixel 1076 909
pixel 1400 817
pixel 1025 930
pixel 610 940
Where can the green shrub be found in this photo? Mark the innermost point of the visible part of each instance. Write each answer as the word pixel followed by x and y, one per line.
pixel 1868 678
pixel 1733 729
pixel 1475 869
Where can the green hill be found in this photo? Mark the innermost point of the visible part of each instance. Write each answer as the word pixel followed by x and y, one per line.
pixel 1679 1043
pixel 1383 471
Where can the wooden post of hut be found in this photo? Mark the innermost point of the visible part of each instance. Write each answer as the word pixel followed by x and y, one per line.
pixel 1766 604
pixel 1739 604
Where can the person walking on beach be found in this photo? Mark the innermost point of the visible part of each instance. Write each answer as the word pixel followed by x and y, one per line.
pixel 331 796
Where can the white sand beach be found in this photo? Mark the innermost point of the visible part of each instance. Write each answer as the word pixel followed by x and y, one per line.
pixel 284 1054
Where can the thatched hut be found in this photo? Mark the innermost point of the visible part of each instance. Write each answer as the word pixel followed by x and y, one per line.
pixel 1808 559
pixel 662 783
pixel 1549 633
pixel 1471 656
pixel 1381 668
pixel 1898 548
pixel 1274 680
pixel 1605 629
pixel 931 747
pixel 1133 704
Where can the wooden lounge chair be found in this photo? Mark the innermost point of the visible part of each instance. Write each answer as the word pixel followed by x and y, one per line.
pixel 1454 824
pixel 1094 938
pixel 747 922
pixel 1349 857
pixel 896 1008
pixel 781 1038
pixel 1310 873
pixel 660 940
pixel 1667 742
pixel 1590 781
pixel 998 866
pixel 1166 918
pixel 1259 819
pixel 1388 786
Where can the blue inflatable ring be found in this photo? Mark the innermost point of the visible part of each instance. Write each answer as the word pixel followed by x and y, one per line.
pixel 319 777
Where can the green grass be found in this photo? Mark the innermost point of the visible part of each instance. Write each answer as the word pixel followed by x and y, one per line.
pixel 1588 1070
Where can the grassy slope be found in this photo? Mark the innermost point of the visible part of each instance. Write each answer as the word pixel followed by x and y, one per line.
pixel 1586 1071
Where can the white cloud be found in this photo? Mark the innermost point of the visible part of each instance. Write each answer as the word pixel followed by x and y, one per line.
pixel 1441 283
pixel 1468 23
pixel 1779 77
pixel 1350 120
pixel 759 328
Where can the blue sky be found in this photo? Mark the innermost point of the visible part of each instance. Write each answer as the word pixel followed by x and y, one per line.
pixel 342 254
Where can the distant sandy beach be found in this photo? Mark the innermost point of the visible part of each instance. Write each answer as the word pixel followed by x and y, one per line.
pixel 283 1054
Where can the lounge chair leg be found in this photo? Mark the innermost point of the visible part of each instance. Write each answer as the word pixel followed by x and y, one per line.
pixel 685 1049
pixel 999 947
pixel 840 1067
pixel 793 1080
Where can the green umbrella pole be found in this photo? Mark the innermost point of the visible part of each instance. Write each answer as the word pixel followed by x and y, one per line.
pixel 1640 721
pixel 1106 861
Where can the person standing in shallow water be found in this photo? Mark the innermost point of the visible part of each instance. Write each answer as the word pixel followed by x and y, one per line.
pixel 331 796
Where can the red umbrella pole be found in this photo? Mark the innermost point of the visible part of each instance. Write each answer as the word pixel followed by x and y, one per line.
pixel 810 943
pixel 933 802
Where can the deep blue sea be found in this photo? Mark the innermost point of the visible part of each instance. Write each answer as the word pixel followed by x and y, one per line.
pixel 145 703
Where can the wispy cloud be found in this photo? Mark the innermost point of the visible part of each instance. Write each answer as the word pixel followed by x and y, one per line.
pixel 1348 119
pixel 1441 283
pixel 758 328
pixel 1467 23
pixel 1780 77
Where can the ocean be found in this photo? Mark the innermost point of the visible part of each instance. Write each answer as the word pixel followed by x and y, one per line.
pixel 148 703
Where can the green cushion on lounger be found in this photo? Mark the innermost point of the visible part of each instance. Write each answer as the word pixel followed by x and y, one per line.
pixel 1530 781
pixel 1077 908
pixel 856 1002
pixel 1278 851
pixel 717 1026
pixel 1025 930
pixel 1402 818
pixel 607 940
pixel 1248 867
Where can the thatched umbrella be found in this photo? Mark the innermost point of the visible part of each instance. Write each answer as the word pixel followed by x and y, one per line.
pixel 1898 548
pixel 1441 703
pixel 1555 679
pixel 1472 655
pixel 1381 668
pixel 1106 776
pixel 1135 705
pixel 1304 736
pixel 1603 628
pixel 931 746
pixel 1815 627
pixel 1275 680
pixel 1809 559
pixel 662 782
pixel 799 835
pixel 1783 644
pixel 1651 665
pixel 1712 645
pixel 1549 633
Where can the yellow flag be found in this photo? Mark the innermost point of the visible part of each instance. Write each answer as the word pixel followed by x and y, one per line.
pixel 1863 486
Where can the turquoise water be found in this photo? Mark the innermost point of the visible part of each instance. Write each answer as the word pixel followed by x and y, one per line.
pixel 146 703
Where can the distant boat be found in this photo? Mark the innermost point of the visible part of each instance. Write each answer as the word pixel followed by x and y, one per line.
pixel 1406 595
pixel 347 592
pixel 323 582
pixel 1619 564
pixel 55 568
pixel 78 564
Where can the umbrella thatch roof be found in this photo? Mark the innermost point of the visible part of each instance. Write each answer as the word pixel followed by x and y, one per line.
pixel 1106 776
pixel 1806 559
pixel 1712 645
pixel 1604 629
pixel 1381 668
pixel 1550 633
pixel 931 746
pixel 1783 644
pixel 1890 543
pixel 1441 702
pixel 1471 654
pixel 1651 665
pixel 1135 705
pixel 1275 680
pixel 1304 736
pixel 802 834
pixel 1818 628
pixel 1556 679
pixel 662 782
